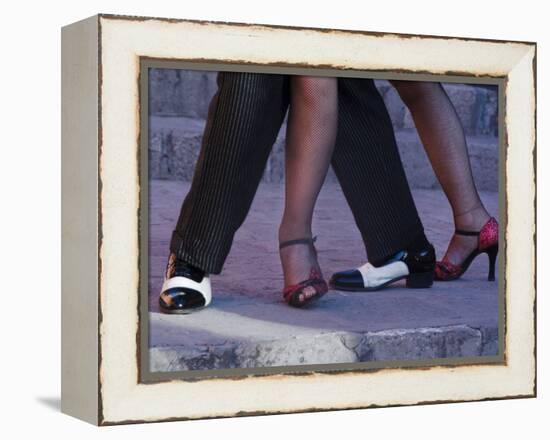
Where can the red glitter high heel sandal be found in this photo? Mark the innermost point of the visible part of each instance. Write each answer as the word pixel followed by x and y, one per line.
pixel 487 244
pixel 307 291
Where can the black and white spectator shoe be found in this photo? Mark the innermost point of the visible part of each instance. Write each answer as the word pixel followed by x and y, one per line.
pixel 185 289
pixel 416 268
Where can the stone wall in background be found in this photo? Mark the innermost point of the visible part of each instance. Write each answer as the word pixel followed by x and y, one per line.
pixel 175 92
pixel 178 102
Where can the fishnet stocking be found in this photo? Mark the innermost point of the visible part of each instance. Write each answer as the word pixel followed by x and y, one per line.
pixel 441 132
pixel 310 138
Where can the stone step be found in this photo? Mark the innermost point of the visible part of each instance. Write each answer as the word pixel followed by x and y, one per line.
pixel 477 107
pixel 178 92
pixel 187 93
pixel 310 347
pixel 175 143
pixel 482 151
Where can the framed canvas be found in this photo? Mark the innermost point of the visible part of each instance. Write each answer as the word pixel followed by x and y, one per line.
pixel 177 139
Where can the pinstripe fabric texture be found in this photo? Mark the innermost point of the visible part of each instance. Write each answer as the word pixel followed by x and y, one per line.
pixel 244 118
pixel 367 164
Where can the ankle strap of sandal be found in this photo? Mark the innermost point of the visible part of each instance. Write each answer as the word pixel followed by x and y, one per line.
pixel 297 241
pixel 470 233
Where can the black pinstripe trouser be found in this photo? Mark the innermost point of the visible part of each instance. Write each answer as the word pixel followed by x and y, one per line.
pixel 244 118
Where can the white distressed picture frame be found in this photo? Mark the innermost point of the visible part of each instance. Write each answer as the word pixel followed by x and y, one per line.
pixel 101 201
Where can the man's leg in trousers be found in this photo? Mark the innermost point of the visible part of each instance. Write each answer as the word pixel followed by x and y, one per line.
pixel 368 166
pixel 244 118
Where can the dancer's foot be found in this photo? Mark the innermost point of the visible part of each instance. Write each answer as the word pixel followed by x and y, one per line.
pixel 185 289
pixel 417 268
pixel 461 246
pixel 304 281
pixel 486 239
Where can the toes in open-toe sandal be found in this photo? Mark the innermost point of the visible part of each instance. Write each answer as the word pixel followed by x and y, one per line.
pixel 307 291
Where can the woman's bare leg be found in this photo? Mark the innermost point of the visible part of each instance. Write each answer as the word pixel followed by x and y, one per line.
pixel 310 138
pixel 443 137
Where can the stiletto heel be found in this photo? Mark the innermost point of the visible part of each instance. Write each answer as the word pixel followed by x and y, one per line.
pixel 492 254
pixel 307 291
pixel 487 244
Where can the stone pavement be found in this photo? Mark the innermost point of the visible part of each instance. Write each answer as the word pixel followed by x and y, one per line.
pixel 248 325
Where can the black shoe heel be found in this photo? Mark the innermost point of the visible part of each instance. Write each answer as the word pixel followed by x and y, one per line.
pixel 420 280
pixel 492 254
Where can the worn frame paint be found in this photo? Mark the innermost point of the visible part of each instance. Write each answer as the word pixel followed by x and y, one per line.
pixel 123 42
